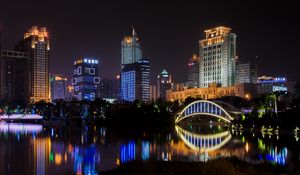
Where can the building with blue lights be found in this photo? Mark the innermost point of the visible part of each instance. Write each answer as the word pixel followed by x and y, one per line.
pixel 164 83
pixel 85 79
pixel 135 81
pixel 131 51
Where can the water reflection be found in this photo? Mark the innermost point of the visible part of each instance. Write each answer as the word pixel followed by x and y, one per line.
pixel 42 150
pixel 20 128
pixel 203 142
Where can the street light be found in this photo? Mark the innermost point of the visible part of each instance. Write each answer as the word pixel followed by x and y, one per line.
pixel 247 96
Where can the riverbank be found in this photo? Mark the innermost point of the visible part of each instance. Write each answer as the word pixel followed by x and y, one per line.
pixel 231 166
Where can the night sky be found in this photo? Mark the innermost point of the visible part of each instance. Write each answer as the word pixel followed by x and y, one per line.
pixel 169 31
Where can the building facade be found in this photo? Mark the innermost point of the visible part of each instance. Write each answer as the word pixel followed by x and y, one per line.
pixel 193 72
pixel 15 77
pixel 131 51
pixel 164 83
pixel 58 87
pixel 135 81
pixel 108 89
pixel 153 93
pixel 217 57
pixel 85 79
pixel 267 84
pixel 246 70
pixel 213 91
pixel 36 43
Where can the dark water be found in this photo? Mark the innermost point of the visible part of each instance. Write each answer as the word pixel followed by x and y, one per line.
pixel 45 149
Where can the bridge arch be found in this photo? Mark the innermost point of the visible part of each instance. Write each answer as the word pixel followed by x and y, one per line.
pixel 204 107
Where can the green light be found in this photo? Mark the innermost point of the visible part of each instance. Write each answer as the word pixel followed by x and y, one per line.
pixel 243 139
pixel 243 117
pixel 51 157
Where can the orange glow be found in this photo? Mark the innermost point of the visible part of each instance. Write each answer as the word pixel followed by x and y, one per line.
pixel 57 159
pixel 127 39
pixel 247 147
pixel 41 33
pixel 118 161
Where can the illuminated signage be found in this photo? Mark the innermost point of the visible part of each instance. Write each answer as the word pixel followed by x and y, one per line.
pixel 279 88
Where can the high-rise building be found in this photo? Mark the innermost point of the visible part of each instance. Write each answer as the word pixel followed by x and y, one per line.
pixel 217 57
pixel 85 79
pixel 107 88
pixel 153 92
pixel 246 70
pixel 118 87
pixel 135 81
pixel 131 50
pixel 70 93
pixel 58 87
pixel 164 82
pixel 15 77
pixel 36 44
pixel 193 72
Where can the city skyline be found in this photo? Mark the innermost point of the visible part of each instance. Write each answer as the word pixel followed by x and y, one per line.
pixel 176 27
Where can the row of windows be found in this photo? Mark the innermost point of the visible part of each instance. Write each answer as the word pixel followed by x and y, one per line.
pixel 208 58
pixel 212 47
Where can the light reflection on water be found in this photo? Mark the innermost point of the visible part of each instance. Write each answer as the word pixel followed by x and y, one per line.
pixel 38 149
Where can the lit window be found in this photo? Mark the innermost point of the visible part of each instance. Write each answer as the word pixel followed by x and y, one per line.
pixel 92 71
pixel 97 80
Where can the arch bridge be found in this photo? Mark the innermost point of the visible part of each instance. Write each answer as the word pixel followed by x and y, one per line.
pixel 216 109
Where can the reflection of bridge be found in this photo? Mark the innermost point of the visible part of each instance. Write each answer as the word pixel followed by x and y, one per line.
pixel 208 142
pixel 204 107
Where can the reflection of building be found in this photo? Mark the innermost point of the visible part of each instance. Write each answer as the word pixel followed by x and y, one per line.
pixel 267 85
pixel 58 87
pixel 164 83
pixel 246 70
pixel 212 92
pixel 217 57
pixel 85 79
pixel 193 72
pixel 36 44
pixel 135 81
pixel 127 152
pixel 42 147
pixel 131 49
pixel 15 77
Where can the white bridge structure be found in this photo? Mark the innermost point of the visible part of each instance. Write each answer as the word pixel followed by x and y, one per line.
pixel 209 108
pixel 20 117
pixel 203 142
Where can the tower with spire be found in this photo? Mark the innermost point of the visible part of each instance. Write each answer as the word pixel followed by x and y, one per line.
pixel 131 51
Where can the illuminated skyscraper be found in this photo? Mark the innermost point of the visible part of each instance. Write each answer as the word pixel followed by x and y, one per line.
pixel 131 50
pixel 164 82
pixel 85 79
pixel 217 57
pixel 135 81
pixel 58 87
pixel 36 44
pixel 193 72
